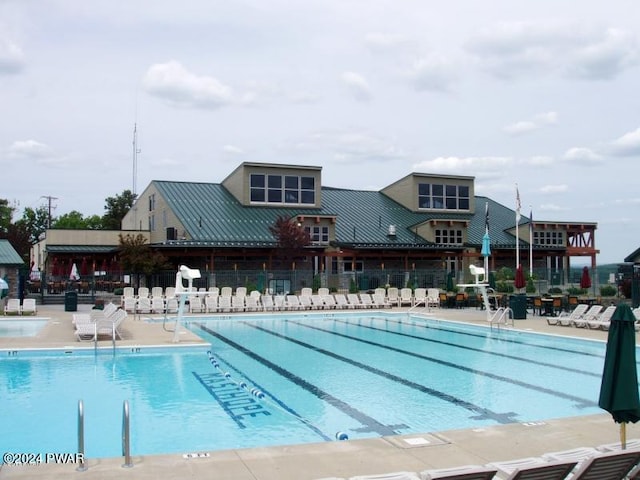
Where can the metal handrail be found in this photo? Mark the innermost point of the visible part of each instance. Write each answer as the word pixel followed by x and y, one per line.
pixel 81 467
pixel 126 438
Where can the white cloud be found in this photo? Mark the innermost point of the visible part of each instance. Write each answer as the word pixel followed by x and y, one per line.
pixel 537 122
pixel 11 57
pixel 628 144
pixel 232 149
pixel 582 156
pixel 434 73
pixel 463 164
pixel 516 49
pixel 553 189
pixel 540 161
pixel 177 86
pixel 357 85
pixel 29 149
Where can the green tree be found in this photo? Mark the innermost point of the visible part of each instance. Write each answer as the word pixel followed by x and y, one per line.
pixel 116 208
pixel 35 222
pixel 6 213
pixel 75 220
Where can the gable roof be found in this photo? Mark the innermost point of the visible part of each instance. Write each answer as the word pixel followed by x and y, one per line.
pixel 214 217
pixel 8 254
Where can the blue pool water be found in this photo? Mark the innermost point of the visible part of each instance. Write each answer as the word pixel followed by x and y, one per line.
pixel 21 328
pixel 365 375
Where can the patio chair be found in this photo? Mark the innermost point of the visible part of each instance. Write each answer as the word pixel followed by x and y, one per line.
pixel 211 303
pixel 267 303
pixel 317 302
pixel 144 305
pixel 305 302
pixel 406 297
pixel 420 297
pixel 251 303
pixel 433 297
pixel 380 301
pixel 393 296
pixel 353 301
pixel 237 302
pixel 157 304
pixel 329 301
pixel 29 306
pixel 591 314
pixel 366 301
pixel 602 321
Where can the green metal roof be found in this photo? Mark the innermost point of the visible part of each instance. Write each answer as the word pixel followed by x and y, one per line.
pixel 214 218
pixel 8 254
pixel 81 248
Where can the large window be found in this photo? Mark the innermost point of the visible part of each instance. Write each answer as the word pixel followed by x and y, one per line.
pixel 282 189
pixel 318 235
pixel 448 237
pixel 443 197
pixel 554 238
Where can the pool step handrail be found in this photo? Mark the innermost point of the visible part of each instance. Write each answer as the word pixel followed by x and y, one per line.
pixel 82 466
pixel 126 436
pixel 422 302
pixel 501 316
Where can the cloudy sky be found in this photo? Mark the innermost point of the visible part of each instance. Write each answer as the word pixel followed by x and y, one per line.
pixel 540 94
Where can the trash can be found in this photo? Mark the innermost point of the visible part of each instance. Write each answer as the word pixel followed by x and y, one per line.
pixel 518 305
pixel 70 301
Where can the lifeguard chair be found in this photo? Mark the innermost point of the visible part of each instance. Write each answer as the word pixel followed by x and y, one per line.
pixel 478 272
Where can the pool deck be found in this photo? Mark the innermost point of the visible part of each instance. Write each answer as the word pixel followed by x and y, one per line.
pixel 415 453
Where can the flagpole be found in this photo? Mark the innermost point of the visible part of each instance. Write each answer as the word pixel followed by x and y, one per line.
pixel 530 241
pixel 517 227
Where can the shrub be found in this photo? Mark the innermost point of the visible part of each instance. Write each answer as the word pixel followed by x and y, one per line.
pixel 608 291
pixel 576 291
pixel 118 292
pixel 555 291
pixel 531 287
pixel 504 287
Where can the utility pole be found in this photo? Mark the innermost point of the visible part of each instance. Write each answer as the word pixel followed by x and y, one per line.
pixel 50 199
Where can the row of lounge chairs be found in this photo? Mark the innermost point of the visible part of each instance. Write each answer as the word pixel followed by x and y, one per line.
pixel 603 463
pixel 584 316
pixel 99 323
pixel 14 307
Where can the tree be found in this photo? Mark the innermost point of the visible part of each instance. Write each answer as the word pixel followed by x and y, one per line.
pixel 6 212
pixel 291 237
pixel 35 222
pixel 137 257
pixel 116 208
pixel 76 221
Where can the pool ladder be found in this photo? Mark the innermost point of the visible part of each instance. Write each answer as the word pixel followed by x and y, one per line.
pixel 502 316
pixel 126 437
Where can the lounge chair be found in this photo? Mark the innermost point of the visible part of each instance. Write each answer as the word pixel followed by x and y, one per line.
pixel 366 301
pixel 323 291
pixel 305 302
pixel 267 303
pixel 29 306
pixel 577 455
pixel 341 300
pixel 631 444
pixel 224 303
pixel 509 467
pixel 388 476
pixel 567 320
pixel 108 310
pixel 237 302
pixel 608 466
pixel 292 302
pixel 433 297
pixel 558 470
pixel 306 291
pixel 251 303
pixel 144 305
pixel 406 297
pixel 130 304
pixel 13 307
pixel 211 303
pixel 420 297
pixel 172 305
pixel 380 301
pixel 392 296
pixel 466 472
pixel 590 314
pixel 90 331
pixel 157 304
pixel 329 301
pixel 317 302
pixel 353 301
pixel 157 292
pixel 143 292
pixel 603 320
pixel 280 302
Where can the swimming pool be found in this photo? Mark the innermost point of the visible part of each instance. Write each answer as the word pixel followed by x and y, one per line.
pixel 297 378
pixel 21 328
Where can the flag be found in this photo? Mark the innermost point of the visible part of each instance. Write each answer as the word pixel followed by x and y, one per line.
pixel 518 206
pixel 486 217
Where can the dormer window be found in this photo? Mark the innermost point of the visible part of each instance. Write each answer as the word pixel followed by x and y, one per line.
pixel 282 189
pixel 439 196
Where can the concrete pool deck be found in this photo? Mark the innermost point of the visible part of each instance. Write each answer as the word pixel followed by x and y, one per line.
pixel 415 452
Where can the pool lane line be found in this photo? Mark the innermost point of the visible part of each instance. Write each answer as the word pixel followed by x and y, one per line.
pixel 370 424
pixel 274 402
pixel 506 340
pixel 483 413
pixel 581 402
pixel 474 349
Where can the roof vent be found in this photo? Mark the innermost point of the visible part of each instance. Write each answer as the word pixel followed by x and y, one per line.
pixel 392 231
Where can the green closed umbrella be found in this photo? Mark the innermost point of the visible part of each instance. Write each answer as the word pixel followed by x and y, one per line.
pixel 619 389
pixel 450 282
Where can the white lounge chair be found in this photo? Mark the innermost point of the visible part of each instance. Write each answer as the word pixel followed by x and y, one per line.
pixel 590 314
pixel 224 303
pixel 157 304
pixel 406 297
pixel 392 296
pixel 466 472
pixel 94 315
pixel 366 301
pixel 211 303
pixel 420 297
pixel 196 304
pixel 144 305
pixel 157 292
pixel 510 466
pixel 13 307
pixel 329 301
pixel 567 320
pixel 105 327
pixel 143 292
pixel 29 306
pixel 130 304
pixel 380 301
pixel 292 302
pixel 172 305
pixel 556 470
pixel 602 321
pixel 305 302
pixel 251 303
pixel 353 301
pixel 388 476
pixel 317 302
pixel 608 466
pixel 341 300
pixel 433 297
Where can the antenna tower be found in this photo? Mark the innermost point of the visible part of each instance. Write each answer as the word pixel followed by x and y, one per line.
pixel 136 151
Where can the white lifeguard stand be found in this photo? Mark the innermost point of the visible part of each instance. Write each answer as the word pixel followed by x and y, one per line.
pixel 477 272
pixel 480 284
pixel 182 292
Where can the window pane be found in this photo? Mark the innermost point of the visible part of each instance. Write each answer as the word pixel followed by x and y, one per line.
pixel 291 182
pixel 275 181
pixel 437 190
pixel 275 196
pixel 257 180
pixel 452 203
pixel 257 194
pixel 463 191
pixel 438 202
pixel 423 189
pixel 424 202
pixel 291 196
pixel 307 183
pixel 307 197
pixel 452 190
pixel 463 204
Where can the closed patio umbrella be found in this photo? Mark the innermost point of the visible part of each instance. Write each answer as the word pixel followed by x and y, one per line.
pixel 450 282
pixel 84 267
pixel 585 280
pixel 74 275
pixel 519 282
pixel 4 288
pixel 619 388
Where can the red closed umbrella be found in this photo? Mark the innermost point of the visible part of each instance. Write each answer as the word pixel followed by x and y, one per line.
pixel 84 267
pixel 519 282
pixel 585 280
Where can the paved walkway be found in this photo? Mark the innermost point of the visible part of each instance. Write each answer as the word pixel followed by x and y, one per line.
pixel 415 452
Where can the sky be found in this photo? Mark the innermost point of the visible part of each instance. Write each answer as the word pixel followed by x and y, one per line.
pixel 539 97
